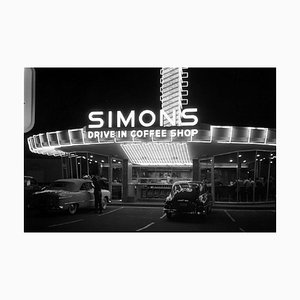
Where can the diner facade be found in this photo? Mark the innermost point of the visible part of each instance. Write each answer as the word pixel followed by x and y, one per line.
pixel 139 161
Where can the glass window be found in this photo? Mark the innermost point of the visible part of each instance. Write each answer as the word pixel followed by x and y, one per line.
pixel 63 185
pixel 83 187
pixel 225 177
pixel 246 174
pixel 271 187
pixel 117 175
pixel 205 170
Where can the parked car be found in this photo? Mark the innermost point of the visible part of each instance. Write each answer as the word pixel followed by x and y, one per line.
pixel 69 195
pixel 188 197
pixel 30 186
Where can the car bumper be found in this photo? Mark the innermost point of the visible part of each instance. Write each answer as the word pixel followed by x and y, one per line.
pixel 195 209
pixel 49 207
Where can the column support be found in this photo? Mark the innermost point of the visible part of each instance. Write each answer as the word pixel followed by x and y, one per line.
pixel 110 173
pixel 196 164
pixel 212 178
pixel 125 180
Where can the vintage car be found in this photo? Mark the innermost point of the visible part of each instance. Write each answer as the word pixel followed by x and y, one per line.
pixel 68 195
pixel 188 197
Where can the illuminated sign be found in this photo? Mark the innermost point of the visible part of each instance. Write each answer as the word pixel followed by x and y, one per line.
pixel 172 91
pixel 141 134
pixel 145 119
pixel 166 143
pixel 158 153
pixel 49 143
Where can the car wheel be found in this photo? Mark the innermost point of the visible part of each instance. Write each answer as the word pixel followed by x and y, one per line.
pixel 104 202
pixel 72 208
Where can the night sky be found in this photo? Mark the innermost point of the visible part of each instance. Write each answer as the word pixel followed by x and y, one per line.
pixel 223 96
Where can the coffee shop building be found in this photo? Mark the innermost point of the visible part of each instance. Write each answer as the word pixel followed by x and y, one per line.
pixel 140 161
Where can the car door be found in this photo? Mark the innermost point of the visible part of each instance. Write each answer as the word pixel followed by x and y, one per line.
pixel 89 194
pixel 90 190
pixel 85 195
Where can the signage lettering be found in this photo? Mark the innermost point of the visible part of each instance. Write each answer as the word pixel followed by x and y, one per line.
pixel 141 133
pixel 146 118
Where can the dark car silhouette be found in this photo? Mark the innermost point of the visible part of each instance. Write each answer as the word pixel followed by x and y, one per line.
pixel 30 187
pixel 188 197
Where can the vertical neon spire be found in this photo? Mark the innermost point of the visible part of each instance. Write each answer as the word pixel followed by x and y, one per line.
pixel 172 94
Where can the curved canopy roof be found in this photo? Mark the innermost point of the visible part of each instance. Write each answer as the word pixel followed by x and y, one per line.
pixel 178 150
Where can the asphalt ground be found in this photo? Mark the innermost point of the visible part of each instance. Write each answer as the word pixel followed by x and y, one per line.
pixel 152 219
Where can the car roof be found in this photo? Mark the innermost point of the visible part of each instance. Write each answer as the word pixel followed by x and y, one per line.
pixel 74 180
pixel 182 182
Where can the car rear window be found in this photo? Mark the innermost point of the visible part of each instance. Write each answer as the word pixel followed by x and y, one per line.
pixel 185 185
pixel 189 185
pixel 64 185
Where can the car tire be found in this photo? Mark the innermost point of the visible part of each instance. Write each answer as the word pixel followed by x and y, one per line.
pixel 104 202
pixel 72 209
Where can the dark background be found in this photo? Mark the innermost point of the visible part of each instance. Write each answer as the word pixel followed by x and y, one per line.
pixel 223 96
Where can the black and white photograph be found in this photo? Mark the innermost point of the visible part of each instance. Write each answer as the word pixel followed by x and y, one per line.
pixel 168 149
pixel 149 149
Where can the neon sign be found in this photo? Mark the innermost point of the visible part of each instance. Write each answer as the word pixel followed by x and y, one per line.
pixel 145 119
pixel 146 133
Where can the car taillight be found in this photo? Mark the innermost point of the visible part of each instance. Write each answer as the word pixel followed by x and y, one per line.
pixel 169 198
pixel 203 198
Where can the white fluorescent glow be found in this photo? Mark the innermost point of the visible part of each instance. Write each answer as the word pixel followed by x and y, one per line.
pixel 266 137
pixel 230 137
pixel 69 134
pixel 222 127
pixel 181 154
pixel 47 135
pixel 249 134
pixel 57 137
pixel 157 153
pixel 34 142
pixel 41 140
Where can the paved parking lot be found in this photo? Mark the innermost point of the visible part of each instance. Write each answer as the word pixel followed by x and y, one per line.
pixel 152 219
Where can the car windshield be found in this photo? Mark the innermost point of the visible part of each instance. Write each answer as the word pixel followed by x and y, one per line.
pixel 63 185
pixel 185 186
